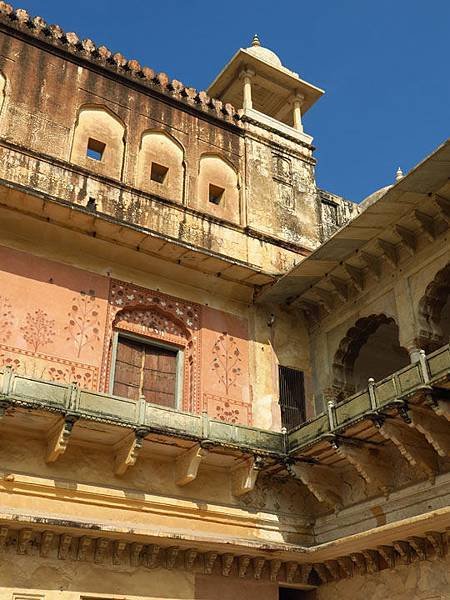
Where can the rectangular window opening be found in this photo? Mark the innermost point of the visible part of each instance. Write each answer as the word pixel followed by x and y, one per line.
pixel 95 149
pixel 215 193
pixel 158 173
pixel 292 397
pixel 144 369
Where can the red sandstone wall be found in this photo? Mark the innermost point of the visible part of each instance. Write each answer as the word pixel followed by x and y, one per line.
pixel 56 323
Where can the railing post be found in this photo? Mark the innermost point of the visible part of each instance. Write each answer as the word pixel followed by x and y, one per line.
pixel 424 366
pixel 205 426
pixel 331 414
pixel 141 410
pixel 74 393
pixel 7 379
pixel 371 388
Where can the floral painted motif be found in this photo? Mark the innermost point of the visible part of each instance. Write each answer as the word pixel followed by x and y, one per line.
pixel 84 324
pixel 6 319
pixel 226 361
pixel 38 330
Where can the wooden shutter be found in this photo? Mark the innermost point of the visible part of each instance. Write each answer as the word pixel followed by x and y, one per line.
pixel 159 377
pixel 127 374
pixel 292 397
pixel 145 370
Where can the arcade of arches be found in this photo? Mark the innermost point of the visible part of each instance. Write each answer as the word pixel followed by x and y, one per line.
pixel 371 348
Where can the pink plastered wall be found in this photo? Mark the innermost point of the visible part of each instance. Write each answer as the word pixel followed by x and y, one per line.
pixel 56 323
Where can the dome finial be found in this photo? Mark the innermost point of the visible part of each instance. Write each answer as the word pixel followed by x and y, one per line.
pixel 255 40
pixel 399 174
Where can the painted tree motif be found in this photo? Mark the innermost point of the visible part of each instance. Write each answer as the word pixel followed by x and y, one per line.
pixel 38 330
pixel 226 360
pixel 6 319
pixel 84 325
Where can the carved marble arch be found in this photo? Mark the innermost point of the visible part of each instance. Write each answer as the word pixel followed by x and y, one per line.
pixel 434 312
pixel 155 316
pixel 370 348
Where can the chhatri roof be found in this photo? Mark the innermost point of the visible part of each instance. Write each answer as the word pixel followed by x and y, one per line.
pixel 273 84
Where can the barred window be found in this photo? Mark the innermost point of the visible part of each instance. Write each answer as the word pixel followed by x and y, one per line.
pixel 292 397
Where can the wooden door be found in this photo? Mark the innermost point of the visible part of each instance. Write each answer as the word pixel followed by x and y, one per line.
pixel 145 370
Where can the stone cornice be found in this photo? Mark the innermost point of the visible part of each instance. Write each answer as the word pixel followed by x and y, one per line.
pixel 54 37
pixel 88 542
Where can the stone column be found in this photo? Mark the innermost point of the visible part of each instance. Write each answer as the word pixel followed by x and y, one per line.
pixel 246 76
pixel 297 111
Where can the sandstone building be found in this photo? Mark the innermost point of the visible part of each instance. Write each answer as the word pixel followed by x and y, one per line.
pixel 217 380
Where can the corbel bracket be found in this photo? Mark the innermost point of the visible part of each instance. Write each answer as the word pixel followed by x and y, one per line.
pixel 187 464
pixel 58 438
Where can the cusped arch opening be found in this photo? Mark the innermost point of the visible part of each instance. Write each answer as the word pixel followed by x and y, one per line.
pixel 370 349
pixel 434 312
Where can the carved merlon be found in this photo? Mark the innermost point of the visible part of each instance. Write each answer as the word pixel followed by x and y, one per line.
pixel 435 429
pixel 322 481
pixel 127 453
pixel 244 476
pixel 187 464
pixel 58 439
pixel 370 463
pixel 411 444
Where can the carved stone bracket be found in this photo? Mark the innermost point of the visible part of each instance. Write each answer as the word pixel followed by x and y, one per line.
pixel 47 538
pixel 404 550
pixel 153 556
pixel 23 541
pixel 435 429
pixel 244 562
pixel 373 263
pixel 322 481
pixel 370 463
pixel 209 561
pixel 389 252
pixel 411 444
pixel 187 464
pixel 171 556
pixel 128 452
pixel 59 438
pixel 244 476
pixel 84 545
pixel 227 563
pixel 118 552
pixel 388 554
pixel 65 542
pixel 408 238
pixel 442 408
pixel 427 224
pixel 356 275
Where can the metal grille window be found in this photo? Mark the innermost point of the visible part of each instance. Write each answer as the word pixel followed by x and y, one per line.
pixel 292 397
pixel 146 370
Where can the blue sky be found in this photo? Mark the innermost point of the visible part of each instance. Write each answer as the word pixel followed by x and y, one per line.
pixel 384 65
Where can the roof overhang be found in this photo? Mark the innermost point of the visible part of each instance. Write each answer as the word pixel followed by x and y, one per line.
pixel 376 227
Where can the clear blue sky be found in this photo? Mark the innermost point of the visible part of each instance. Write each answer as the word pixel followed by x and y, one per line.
pixel 384 65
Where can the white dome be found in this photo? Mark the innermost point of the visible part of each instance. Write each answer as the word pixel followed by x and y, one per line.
pixel 262 53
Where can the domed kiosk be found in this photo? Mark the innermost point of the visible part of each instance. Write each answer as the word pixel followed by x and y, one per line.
pixel 256 80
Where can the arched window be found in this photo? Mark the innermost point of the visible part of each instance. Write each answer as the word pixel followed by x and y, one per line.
pixel 161 165
pixel 434 312
pixel 152 348
pixel 371 348
pixel 98 141
pixel 218 192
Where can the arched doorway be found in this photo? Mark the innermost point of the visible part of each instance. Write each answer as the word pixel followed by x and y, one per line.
pixel 371 348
